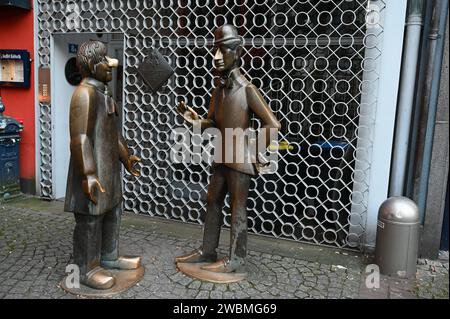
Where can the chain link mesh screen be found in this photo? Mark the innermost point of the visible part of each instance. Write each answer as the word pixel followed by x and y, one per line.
pixel 316 63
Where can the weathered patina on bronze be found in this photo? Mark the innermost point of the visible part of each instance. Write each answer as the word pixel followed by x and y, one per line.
pixel 232 105
pixel 94 191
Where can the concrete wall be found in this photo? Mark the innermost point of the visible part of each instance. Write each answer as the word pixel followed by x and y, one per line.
pixel 437 183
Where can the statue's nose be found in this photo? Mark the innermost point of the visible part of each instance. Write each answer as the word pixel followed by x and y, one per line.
pixel 218 55
pixel 112 63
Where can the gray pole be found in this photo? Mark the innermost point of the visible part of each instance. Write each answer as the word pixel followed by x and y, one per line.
pixel 422 86
pixel 439 36
pixel 406 98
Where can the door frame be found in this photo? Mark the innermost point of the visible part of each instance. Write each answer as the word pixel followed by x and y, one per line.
pixel 112 44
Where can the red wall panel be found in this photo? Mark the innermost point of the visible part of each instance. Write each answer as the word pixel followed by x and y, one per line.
pixel 16 32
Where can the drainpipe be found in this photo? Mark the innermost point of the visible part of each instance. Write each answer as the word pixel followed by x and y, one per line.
pixel 437 35
pixel 406 98
pixel 422 80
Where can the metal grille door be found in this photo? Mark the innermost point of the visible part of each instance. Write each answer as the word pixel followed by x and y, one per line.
pixel 316 63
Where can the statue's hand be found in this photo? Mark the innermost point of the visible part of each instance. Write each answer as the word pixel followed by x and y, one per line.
pixel 187 112
pixel 256 157
pixel 130 165
pixel 89 185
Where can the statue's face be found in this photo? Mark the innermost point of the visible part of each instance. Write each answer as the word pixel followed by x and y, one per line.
pixel 103 70
pixel 225 58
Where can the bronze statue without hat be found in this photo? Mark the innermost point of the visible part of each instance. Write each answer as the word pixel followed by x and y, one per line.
pixel 94 191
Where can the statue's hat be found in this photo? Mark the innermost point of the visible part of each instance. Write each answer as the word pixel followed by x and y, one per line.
pixel 226 33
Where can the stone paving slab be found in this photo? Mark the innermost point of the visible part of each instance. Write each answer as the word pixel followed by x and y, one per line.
pixel 36 246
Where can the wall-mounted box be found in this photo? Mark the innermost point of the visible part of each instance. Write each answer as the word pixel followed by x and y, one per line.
pixel 44 87
pixel 15 67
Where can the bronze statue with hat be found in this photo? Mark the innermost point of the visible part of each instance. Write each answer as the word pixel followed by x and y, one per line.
pixel 233 103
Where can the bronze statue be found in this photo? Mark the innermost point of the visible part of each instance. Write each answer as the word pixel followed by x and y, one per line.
pixel 94 191
pixel 232 104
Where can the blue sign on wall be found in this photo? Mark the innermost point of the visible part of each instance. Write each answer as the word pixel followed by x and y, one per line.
pixel 73 48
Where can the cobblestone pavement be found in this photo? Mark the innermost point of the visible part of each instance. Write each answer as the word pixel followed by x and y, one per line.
pixel 36 245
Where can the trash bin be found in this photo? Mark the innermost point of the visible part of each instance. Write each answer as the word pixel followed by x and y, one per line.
pixel 9 156
pixel 397 237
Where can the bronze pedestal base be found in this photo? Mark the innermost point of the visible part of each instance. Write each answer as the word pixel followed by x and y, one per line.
pixel 125 279
pixel 194 270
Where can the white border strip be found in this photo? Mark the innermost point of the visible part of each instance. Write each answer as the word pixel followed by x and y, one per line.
pixel 394 26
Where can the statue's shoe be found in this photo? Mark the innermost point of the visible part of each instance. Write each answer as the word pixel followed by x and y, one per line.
pixel 225 266
pixel 99 278
pixel 123 262
pixel 196 256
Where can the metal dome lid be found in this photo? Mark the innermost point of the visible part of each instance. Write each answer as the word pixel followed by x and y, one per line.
pixel 399 209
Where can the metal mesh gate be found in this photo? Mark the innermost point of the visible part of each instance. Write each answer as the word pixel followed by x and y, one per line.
pixel 315 61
